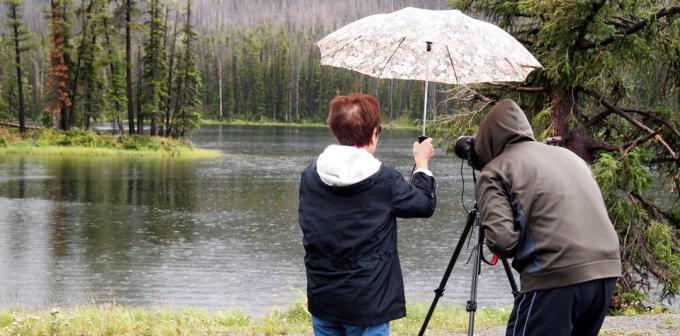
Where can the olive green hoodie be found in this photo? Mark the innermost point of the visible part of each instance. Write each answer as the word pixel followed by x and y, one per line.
pixel 541 206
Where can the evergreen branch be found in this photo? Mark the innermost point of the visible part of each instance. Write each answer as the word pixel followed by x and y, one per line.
pixel 524 89
pixel 581 31
pixel 651 115
pixel 648 114
pixel 597 118
pixel 524 41
pixel 630 145
pixel 625 147
pixel 664 12
pixel 466 94
pixel 625 115
pixel 656 209
pixel 11 124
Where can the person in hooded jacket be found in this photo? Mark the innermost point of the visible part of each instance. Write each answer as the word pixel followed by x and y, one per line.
pixel 541 206
pixel 349 202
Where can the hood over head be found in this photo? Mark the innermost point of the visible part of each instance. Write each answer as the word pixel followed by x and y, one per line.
pixel 505 124
pixel 340 166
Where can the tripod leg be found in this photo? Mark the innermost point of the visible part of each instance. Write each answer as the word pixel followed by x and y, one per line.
pixel 439 292
pixel 511 279
pixel 476 268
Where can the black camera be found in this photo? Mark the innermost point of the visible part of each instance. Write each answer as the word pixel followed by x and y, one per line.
pixel 465 149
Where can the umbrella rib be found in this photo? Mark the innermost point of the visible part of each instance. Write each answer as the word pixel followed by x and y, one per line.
pixel 389 59
pixel 512 66
pixel 343 46
pixel 452 66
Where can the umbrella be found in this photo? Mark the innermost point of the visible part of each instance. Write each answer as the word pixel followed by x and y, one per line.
pixel 418 44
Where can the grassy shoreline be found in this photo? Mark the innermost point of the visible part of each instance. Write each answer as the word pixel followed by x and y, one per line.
pixel 49 142
pixel 396 124
pixel 108 319
pixel 263 123
pixel 118 320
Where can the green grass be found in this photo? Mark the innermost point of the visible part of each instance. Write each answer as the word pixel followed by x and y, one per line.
pixel 49 142
pixel 401 123
pixel 117 320
pixel 266 122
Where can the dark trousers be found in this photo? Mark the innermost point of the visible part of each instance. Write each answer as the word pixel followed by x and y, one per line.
pixel 576 310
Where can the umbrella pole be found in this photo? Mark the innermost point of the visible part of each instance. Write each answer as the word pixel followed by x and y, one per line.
pixel 425 107
pixel 427 82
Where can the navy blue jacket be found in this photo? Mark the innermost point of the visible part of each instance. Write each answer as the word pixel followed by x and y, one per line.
pixel 350 239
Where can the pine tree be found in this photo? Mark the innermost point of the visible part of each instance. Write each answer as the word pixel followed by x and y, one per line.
pixel 19 36
pixel 114 95
pixel 230 92
pixel 188 96
pixel 599 96
pixel 129 10
pixel 58 71
pixel 154 83
pixel 90 60
pixel 282 79
pixel 169 107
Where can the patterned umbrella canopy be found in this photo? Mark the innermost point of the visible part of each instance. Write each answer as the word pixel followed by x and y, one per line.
pixel 418 44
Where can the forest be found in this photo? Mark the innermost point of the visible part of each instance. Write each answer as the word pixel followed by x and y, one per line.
pixel 159 66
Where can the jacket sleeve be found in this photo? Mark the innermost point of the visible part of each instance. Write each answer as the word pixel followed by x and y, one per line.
pixel 415 200
pixel 496 215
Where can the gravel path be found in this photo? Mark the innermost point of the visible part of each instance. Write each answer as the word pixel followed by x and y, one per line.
pixel 641 325
pixel 659 324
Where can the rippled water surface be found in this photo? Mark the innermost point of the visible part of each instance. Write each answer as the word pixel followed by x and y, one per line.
pixel 218 233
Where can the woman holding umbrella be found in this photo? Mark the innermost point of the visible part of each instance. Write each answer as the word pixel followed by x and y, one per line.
pixel 349 202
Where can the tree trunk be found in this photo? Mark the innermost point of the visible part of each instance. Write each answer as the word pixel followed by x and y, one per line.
pixel 112 67
pixel 391 105
pixel 90 108
pixel 576 139
pixel 163 124
pixel 297 93
pixel 74 86
pixel 168 103
pixel 186 67
pixel 140 111
pixel 434 101
pixel 128 67
pixel 17 58
pixel 219 76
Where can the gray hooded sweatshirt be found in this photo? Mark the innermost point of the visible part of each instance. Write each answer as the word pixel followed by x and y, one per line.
pixel 541 206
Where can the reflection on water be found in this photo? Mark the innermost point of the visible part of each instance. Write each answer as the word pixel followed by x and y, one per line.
pixel 217 233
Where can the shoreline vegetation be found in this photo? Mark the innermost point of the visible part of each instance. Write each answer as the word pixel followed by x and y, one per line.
pixel 119 320
pixel 50 142
pixel 398 124
pixel 111 319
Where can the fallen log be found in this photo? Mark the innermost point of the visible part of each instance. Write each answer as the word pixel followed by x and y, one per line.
pixel 11 124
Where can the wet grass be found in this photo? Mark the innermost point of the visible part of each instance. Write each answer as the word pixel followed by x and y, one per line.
pixel 295 320
pixel 49 142
pixel 117 320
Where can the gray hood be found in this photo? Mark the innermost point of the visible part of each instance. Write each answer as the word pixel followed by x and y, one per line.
pixel 505 124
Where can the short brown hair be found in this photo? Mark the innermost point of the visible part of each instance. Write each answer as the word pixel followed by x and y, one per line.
pixel 353 118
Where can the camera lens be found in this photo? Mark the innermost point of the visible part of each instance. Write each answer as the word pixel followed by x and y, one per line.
pixel 463 146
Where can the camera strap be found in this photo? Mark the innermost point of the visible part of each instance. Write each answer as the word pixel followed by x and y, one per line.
pixel 494 258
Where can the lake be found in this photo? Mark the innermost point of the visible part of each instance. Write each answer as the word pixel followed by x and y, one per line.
pixel 218 234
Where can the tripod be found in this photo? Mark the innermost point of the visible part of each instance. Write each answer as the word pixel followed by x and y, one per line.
pixel 473 221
